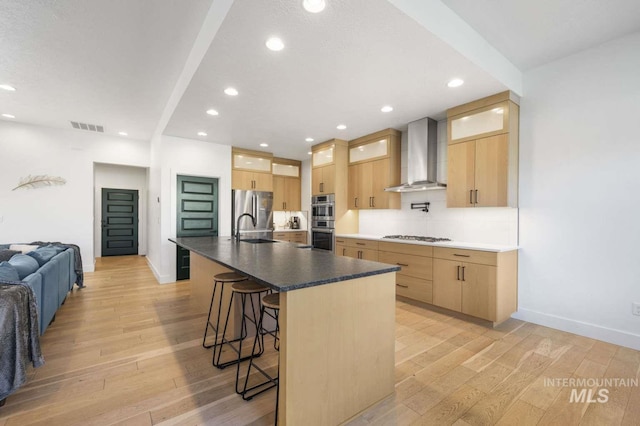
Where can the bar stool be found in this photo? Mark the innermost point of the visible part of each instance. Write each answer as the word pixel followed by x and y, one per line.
pixel 221 278
pixel 272 302
pixel 243 289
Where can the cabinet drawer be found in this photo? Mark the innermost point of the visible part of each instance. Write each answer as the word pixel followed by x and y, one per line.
pixel 415 266
pixel 415 249
pixel 414 288
pixel 358 243
pixel 280 235
pixel 471 256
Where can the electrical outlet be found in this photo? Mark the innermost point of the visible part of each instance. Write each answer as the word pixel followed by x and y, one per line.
pixel 635 308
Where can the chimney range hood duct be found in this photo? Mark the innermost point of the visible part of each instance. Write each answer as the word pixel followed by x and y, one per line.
pixel 422 158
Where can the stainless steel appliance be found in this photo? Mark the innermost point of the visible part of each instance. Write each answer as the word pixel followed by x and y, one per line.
pixel 257 204
pixel 323 207
pixel 295 222
pixel 322 221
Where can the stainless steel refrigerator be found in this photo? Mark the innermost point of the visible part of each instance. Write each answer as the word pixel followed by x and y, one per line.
pixel 258 204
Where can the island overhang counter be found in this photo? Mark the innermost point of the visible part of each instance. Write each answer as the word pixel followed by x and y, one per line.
pixel 337 322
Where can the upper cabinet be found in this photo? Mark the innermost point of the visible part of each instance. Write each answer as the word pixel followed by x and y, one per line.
pixel 251 170
pixel 374 164
pixel 324 173
pixel 286 184
pixel 482 154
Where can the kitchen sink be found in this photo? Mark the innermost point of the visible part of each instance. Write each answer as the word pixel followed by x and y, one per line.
pixel 258 241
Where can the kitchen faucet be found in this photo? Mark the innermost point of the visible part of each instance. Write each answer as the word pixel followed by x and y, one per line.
pixel 253 221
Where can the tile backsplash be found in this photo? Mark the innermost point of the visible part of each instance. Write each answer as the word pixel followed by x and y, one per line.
pixel 281 219
pixel 488 225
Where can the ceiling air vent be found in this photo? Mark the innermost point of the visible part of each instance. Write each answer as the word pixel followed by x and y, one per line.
pixel 85 126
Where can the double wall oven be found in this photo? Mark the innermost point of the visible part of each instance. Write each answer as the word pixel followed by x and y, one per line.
pixel 323 221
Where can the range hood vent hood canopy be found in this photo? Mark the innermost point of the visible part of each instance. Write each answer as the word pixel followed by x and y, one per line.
pixel 422 158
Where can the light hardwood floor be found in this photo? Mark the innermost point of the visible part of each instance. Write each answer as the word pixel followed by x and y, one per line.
pixel 127 351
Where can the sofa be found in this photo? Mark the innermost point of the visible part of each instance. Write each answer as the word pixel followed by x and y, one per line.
pixel 50 270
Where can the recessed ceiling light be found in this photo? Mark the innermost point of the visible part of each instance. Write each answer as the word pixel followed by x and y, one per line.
pixel 264 144
pixel 386 108
pixel 202 134
pixel 9 115
pixel 456 82
pixel 212 112
pixel 314 6
pixel 231 91
pixel 341 127
pixel 7 88
pixel 123 133
pixel 309 139
pixel 275 44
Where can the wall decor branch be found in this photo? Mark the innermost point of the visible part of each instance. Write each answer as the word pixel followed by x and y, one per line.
pixel 32 182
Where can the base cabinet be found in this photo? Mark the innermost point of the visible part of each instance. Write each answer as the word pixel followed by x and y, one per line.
pixel 447 287
pixel 291 237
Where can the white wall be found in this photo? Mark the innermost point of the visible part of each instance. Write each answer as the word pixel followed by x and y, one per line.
pixel 472 225
pixel 579 268
pixel 120 177
pixel 170 157
pixel 58 213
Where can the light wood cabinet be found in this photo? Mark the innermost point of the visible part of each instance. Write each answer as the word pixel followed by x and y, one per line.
pixel 323 180
pixel 415 279
pixel 477 283
pixel 482 154
pixel 286 184
pixel 357 248
pixel 374 164
pixel 251 170
pixel 291 236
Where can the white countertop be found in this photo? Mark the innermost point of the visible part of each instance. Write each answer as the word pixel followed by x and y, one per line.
pixel 289 230
pixel 449 244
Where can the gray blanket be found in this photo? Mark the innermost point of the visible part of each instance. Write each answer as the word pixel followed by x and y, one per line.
pixel 19 335
pixel 77 259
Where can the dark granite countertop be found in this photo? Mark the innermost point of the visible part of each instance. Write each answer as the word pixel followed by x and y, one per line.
pixel 280 265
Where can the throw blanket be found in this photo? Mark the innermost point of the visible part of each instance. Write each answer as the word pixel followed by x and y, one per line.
pixel 78 258
pixel 19 335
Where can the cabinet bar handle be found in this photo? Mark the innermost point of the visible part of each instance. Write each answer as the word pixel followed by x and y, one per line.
pixel 402 264
pixel 476 196
pixel 461 255
pixel 360 244
pixel 359 254
pixel 373 201
pixel 463 272
pixel 403 286
pixel 471 196
pixel 356 202
pixel 458 274
pixel 343 251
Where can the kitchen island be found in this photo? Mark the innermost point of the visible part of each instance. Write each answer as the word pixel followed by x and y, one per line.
pixel 337 322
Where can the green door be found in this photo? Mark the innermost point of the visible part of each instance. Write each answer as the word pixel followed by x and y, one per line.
pixel 197 215
pixel 119 222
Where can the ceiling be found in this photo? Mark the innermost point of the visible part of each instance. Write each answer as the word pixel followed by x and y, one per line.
pixel 120 63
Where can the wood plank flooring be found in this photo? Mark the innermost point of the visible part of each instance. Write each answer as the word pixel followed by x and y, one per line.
pixel 127 351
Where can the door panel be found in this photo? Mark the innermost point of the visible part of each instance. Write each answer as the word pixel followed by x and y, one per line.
pixel 197 214
pixel 447 290
pixel 460 174
pixel 119 222
pixel 492 164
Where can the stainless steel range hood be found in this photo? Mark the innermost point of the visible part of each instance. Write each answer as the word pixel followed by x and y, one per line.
pixel 422 158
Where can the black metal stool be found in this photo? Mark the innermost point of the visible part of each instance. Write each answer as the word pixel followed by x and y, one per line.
pixel 244 289
pixel 272 302
pixel 221 279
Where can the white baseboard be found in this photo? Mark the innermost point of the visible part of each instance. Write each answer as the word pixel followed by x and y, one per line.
pixel 162 279
pixel 581 328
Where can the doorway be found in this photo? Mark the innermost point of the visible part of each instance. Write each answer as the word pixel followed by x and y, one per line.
pixel 197 215
pixel 119 222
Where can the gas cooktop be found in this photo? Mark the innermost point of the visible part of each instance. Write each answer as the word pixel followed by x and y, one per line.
pixel 416 238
